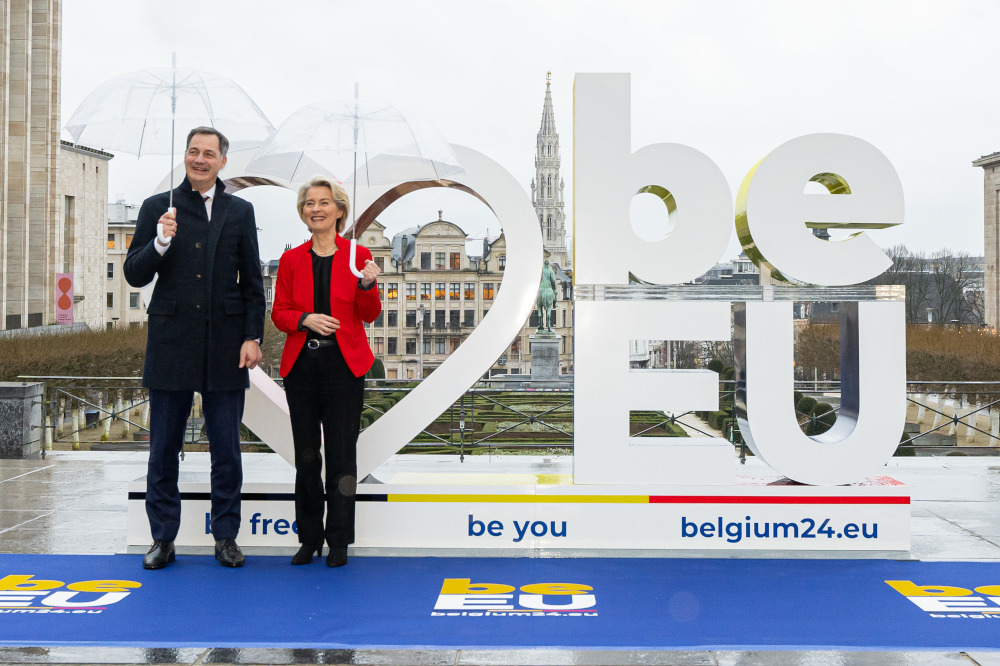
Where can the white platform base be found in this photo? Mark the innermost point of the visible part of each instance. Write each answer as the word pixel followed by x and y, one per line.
pixel 509 505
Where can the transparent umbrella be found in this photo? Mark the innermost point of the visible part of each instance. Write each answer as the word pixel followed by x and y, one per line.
pixel 371 143
pixel 137 113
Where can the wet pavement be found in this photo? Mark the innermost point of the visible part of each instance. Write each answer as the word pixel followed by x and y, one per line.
pixel 75 503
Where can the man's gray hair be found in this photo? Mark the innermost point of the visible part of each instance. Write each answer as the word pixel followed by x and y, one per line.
pixel 223 141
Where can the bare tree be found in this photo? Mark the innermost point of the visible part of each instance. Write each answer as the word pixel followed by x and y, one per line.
pixel 910 270
pixel 952 277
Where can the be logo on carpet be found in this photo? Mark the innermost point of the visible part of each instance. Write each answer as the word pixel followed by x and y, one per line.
pixel 493 603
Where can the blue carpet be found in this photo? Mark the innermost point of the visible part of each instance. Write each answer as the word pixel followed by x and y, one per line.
pixel 634 604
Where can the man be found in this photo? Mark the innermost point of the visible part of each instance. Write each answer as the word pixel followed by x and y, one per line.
pixel 206 320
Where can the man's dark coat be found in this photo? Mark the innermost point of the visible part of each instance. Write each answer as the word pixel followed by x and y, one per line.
pixel 209 295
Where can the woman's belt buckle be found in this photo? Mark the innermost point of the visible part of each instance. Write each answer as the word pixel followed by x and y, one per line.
pixel 312 343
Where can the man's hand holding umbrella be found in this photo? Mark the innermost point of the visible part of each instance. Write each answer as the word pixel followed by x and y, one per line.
pixel 166 228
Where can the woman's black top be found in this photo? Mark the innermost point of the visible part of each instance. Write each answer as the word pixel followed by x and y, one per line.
pixel 322 268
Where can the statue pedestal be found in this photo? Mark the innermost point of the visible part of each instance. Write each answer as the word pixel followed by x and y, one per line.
pixel 544 348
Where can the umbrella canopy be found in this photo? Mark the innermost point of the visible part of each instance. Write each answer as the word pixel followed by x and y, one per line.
pixel 355 142
pixel 132 113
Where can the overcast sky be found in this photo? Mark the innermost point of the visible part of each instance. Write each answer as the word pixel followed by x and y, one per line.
pixel 731 79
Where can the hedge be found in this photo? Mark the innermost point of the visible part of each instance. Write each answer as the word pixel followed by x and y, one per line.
pixel 805 405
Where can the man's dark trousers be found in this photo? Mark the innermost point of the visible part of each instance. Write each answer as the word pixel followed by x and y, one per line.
pixel 168 412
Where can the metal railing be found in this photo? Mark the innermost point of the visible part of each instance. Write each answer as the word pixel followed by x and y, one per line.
pixel 943 417
pixel 106 413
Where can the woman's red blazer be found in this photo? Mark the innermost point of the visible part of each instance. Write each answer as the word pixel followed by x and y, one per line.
pixel 349 304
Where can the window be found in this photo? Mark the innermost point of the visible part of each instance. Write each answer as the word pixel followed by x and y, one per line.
pixel 427 319
pixel 439 291
pixel 391 345
pixel 486 312
pixel 111 241
pixel 111 300
pixel 380 262
pixel 111 325
pixel 411 318
pixel 411 291
pixel 453 290
pixel 470 318
pixel 564 319
pixel 392 291
pixel 128 241
pixel 133 300
pixel 533 319
pixel 502 261
pixel 455 261
pixel 381 293
pixel 425 261
pixel 111 271
pixel 392 318
pixel 439 346
pixel 427 345
pixel 378 345
pixel 379 320
pixel 454 317
pixel 425 291
pixel 411 345
pixel 439 261
pixel 470 291
pixel 439 319
pixel 487 291
pixel 453 344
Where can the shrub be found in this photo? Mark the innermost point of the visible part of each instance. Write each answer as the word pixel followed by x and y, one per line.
pixel 377 371
pixel 822 419
pixel 717 419
pixel 729 373
pixel 805 405
pixel 715 365
pixel 798 396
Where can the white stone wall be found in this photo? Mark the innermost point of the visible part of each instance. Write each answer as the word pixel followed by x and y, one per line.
pixel 991 236
pixel 83 175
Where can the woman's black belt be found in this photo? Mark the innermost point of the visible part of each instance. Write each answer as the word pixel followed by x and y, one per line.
pixel 313 343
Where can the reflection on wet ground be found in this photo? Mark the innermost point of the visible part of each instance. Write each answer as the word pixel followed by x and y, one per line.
pixel 75 503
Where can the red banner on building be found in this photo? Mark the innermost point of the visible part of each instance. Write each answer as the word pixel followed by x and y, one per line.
pixel 64 298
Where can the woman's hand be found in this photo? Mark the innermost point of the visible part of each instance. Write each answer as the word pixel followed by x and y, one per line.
pixel 369 273
pixel 321 323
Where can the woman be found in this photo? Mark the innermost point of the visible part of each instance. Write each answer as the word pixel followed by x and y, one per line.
pixel 321 305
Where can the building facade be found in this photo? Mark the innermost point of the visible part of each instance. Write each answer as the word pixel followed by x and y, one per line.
pixel 432 301
pixel 53 194
pixel 990 165
pixel 124 304
pixel 29 152
pixel 78 245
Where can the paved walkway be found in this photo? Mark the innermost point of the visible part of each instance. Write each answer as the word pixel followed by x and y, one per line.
pixel 75 503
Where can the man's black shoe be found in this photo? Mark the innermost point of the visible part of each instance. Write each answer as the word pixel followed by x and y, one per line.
pixel 160 554
pixel 228 553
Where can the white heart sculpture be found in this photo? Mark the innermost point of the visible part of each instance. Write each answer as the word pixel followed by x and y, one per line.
pixel 266 411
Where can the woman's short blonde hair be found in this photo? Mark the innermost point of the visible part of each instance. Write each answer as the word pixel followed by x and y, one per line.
pixel 339 196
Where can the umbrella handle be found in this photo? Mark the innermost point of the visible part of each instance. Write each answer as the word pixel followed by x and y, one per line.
pixel 354 257
pixel 159 230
